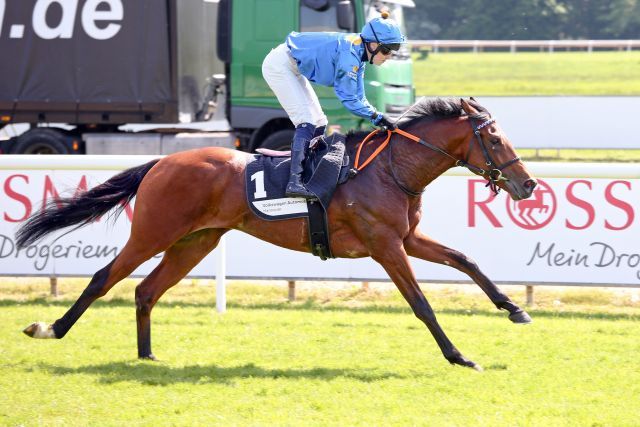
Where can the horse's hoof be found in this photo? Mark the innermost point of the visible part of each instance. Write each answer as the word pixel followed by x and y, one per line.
pixel 520 317
pixel 463 361
pixel 469 364
pixel 39 330
pixel 148 357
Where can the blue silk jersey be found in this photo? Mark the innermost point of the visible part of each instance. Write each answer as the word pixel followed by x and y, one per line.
pixel 334 59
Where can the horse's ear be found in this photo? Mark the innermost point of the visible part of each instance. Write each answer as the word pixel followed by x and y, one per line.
pixel 467 107
pixel 472 98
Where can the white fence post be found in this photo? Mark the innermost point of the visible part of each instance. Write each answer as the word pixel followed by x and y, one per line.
pixel 53 282
pixel 292 290
pixel 221 279
pixel 529 291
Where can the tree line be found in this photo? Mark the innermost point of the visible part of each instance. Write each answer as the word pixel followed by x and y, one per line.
pixel 524 19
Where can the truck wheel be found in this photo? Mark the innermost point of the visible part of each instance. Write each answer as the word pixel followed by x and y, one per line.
pixel 280 140
pixel 42 141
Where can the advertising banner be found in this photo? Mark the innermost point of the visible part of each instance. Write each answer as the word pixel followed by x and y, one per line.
pixel 79 253
pixel 572 230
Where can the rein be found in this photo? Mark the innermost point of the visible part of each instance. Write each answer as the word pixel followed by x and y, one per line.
pixel 493 173
pixel 357 167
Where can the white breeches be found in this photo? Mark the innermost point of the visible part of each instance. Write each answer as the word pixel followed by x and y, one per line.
pixel 293 90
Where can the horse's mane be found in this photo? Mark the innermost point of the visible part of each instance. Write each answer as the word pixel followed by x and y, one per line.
pixel 440 108
pixel 430 109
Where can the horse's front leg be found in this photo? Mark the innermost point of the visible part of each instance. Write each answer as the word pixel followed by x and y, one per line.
pixel 420 246
pixel 396 263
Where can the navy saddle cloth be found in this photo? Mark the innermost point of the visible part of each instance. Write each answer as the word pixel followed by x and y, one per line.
pixel 326 166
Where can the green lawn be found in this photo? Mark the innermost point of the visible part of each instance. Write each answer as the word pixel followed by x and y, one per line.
pixel 335 357
pixel 573 155
pixel 528 73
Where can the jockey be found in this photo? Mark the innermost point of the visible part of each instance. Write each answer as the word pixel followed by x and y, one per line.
pixel 328 59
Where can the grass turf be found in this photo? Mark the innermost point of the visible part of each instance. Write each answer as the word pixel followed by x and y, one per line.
pixel 528 74
pixel 334 357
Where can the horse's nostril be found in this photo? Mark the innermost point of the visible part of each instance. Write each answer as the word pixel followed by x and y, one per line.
pixel 530 184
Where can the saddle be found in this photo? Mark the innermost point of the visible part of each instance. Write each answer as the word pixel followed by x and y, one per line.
pixel 325 167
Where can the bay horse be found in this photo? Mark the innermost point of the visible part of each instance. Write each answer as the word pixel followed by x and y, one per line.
pixel 188 200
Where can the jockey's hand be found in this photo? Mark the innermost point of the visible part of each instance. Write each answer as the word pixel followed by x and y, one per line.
pixel 383 122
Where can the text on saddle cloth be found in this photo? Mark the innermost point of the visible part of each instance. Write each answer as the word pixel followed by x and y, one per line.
pixel 266 179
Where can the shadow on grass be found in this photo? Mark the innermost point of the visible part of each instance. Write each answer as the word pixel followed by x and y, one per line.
pixel 155 373
pixel 313 305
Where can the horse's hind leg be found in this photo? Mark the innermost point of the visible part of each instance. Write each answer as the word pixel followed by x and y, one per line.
pixel 178 260
pixel 420 246
pixel 124 264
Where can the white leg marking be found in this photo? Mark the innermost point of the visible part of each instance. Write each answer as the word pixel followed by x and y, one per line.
pixel 42 330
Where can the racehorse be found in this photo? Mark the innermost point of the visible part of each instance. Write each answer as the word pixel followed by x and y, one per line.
pixel 188 200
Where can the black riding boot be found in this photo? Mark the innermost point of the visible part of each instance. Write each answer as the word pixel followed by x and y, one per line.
pixel 295 187
pixel 319 131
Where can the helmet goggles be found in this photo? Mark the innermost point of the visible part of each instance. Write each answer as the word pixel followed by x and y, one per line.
pixel 386 49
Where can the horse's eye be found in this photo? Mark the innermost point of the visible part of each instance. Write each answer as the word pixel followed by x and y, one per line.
pixel 495 141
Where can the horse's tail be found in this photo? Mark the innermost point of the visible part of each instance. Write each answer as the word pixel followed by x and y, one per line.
pixel 83 208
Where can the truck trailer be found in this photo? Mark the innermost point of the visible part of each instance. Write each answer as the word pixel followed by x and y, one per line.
pixel 160 76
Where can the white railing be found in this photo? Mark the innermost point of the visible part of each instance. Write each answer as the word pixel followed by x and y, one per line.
pixel 513 45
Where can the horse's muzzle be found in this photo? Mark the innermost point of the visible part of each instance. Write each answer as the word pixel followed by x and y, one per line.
pixel 529 185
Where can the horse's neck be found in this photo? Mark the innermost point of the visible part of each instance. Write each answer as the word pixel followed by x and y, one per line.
pixel 418 165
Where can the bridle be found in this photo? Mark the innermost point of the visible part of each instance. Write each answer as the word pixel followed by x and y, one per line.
pixel 492 173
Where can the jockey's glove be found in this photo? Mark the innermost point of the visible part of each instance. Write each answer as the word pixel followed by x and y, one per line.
pixel 383 122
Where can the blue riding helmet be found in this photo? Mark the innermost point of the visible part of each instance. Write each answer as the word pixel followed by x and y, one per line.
pixel 383 30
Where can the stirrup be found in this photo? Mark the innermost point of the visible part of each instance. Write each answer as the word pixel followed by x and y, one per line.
pixel 298 190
